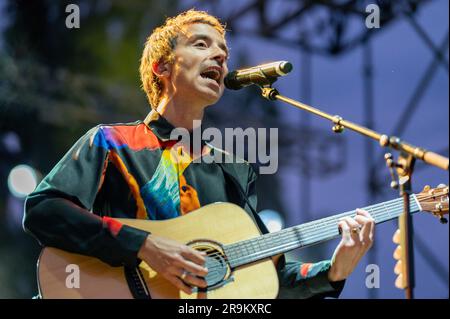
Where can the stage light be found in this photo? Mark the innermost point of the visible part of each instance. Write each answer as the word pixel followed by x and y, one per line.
pixel 272 219
pixel 22 180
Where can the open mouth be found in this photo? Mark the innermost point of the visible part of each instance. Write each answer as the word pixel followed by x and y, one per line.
pixel 212 74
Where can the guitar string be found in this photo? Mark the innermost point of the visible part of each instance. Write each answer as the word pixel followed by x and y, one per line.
pixel 333 233
pixel 293 244
pixel 386 211
pixel 329 220
pixel 310 235
pixel 374 209
pixel 325 222
pixel 318 231
pixel 262 254
pixel 306 239
pixel 332 221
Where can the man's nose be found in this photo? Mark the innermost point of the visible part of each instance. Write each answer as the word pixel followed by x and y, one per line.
pixel 220 56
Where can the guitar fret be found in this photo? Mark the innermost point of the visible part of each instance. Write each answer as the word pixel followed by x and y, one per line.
pixel 371 212
pixel 304 235
pixel 386 210
pixel 252 248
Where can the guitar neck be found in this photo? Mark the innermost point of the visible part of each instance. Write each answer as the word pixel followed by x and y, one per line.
pixel 308 234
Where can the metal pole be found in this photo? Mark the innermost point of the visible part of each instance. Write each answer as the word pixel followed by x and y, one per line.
pixel 383 139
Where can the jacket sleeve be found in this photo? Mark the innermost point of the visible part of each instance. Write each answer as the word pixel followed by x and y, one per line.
pixel 59 212
pixel 297 279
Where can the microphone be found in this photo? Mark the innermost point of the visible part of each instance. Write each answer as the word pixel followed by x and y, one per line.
pixel 264 74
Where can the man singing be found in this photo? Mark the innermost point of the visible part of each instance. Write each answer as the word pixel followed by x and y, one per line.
pixel 133 171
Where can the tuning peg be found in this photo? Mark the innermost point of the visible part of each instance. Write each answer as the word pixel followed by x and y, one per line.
pixel 441 217
pixel 390 163
pixel 394 184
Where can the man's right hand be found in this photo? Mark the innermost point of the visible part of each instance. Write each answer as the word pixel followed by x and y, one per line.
pixel 178 263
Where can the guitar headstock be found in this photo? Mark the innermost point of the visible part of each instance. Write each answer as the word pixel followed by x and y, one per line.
pixel 434 200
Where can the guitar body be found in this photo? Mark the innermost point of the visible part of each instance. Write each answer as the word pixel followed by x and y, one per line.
pixel 207 228
pixel 241 262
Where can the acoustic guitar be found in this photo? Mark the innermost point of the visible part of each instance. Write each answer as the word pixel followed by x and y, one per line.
pixel 241 262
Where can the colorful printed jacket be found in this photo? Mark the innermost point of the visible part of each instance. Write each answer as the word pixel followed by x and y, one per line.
pixel 126 171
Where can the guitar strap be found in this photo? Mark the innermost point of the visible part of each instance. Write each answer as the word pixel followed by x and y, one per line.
pixel 136 283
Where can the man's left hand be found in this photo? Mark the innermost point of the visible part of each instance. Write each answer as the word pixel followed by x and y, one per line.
pixel 357 238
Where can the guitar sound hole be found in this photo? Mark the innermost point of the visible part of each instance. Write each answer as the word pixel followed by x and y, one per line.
pixel 216 261
pixel 217 268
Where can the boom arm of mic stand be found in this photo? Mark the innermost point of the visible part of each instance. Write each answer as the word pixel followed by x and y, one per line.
pixel 408 155
pixel 383 139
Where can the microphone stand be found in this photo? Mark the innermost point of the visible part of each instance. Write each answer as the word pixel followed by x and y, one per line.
pixel 405 165
pixel 384 140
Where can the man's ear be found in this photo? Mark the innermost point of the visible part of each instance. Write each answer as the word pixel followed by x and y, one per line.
pixel 161 69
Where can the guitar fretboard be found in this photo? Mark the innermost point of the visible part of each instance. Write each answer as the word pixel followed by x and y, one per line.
pixel 308 234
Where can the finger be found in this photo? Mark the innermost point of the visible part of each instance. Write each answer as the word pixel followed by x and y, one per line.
pixel 398 253
pixel 188 278
pixel 352 222
pixel 345 230
pixel 364 234
pixel 191 279
pixel 362 221
pixel 363 212
pixel 367 228
pixel 354 228
pixel 180 284
pixel 192 268
pixel 369 220
pixel 396 237
pixel 352 241
pixel 194 255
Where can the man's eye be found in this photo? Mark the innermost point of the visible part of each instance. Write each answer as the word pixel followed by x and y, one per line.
pixel 201 44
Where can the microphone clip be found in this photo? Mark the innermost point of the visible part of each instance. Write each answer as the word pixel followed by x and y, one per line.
pixel 269 92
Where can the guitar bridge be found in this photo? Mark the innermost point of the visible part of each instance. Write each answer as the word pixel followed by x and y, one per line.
pixel 218 285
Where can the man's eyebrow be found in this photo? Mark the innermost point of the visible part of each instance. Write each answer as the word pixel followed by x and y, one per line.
pixel 207 37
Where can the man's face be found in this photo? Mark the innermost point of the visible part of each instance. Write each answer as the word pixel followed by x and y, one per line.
pixel 200 64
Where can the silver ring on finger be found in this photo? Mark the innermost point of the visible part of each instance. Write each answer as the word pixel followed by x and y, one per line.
pixel 183 275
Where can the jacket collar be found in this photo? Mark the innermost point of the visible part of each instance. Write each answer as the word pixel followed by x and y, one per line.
pixel 162 129
pixel 159 125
